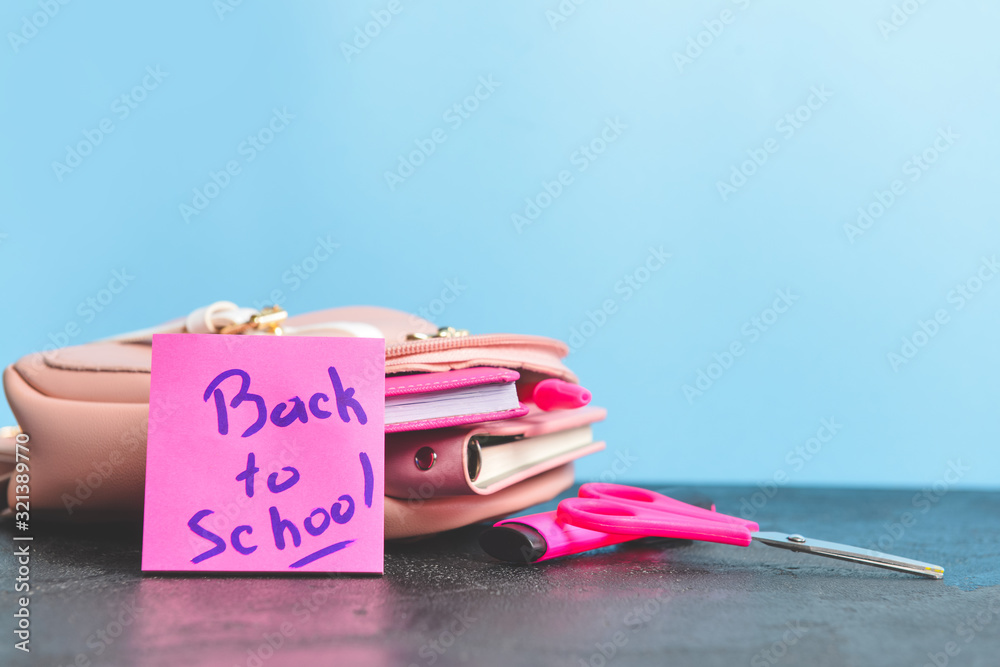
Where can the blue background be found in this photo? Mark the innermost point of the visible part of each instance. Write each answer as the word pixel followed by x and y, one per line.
pixel 687 125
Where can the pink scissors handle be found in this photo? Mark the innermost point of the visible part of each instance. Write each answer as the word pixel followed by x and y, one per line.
pixel 644 499
pixel 624 518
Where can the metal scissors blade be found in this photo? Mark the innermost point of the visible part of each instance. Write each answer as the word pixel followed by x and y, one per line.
pixel 846 552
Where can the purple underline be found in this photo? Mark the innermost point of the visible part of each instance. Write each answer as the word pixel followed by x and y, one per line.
pixel 326 551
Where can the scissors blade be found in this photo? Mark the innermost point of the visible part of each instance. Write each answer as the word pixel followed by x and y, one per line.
pixel 849 553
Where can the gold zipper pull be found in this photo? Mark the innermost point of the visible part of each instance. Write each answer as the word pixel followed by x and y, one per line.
pixel 442 332
pixel 268 320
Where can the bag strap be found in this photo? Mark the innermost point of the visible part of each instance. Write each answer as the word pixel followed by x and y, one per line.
pixel 225 317
pixel 8 444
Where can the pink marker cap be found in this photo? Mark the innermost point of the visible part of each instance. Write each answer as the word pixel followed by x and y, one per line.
pixel 555 394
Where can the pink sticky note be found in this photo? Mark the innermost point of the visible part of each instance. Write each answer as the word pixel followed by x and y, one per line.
pixel 265 454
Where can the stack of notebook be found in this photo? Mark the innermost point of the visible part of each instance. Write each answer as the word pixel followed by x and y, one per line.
pixel 467 433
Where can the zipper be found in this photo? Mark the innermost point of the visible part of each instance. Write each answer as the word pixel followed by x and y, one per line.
pixel 485 340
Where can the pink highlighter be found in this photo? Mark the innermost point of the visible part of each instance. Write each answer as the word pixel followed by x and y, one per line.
pixel 538 537
pixel 554 394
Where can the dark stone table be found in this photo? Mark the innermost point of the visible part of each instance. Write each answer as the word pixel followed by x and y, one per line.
pixel 444 602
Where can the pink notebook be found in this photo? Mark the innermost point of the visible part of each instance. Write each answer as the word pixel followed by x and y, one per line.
pixel 450 398
pixel 482 459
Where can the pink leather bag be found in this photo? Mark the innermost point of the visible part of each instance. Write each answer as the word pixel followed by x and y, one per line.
pixel 85 409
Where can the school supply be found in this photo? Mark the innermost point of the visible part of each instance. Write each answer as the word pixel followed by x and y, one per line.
pixel 606 514
pixel 450 398
pixel 487 457
pixel 85 409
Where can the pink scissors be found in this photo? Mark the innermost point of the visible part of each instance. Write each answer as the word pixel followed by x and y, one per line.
pixel 628 510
